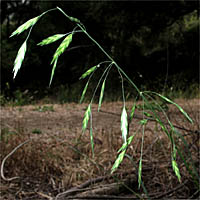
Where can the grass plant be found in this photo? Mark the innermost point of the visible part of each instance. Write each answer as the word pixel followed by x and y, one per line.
pixel 147 97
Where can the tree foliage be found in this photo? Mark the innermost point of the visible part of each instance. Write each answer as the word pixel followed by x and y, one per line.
pixel 143 37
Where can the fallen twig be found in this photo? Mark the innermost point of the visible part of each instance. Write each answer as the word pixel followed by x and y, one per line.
pixel 83 185
pixel 112 188
pixel 45 195
pixel 4 160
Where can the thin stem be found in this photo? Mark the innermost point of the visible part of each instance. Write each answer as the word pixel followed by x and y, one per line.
pixel 123 96
pixel 48 11
pixel 107 69
pixel 96 43
pixel 101 48
pixel 39 18
pixel 118 67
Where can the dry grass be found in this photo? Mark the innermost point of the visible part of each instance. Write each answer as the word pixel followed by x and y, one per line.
pixel 59 156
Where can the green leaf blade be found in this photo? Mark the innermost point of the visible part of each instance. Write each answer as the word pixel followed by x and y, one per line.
pixel 92 141
pixel 143 121
pixel 101 95
pixel 147 114
pixel 86 118
pixel 73 19
pixel 53 70
pixel 132 112
pixel 124 124
pixel 88 72
pixel 140 173
pixel 125 145
pixel 51 39
pixel 84 91
pixel 118 161
pixel 19 59
pixel 65 43
pixel 176 169
pixel 25 26
pixel 179 107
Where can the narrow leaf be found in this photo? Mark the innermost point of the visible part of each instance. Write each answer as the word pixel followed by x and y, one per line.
pixel 181 109
pixel 84 91
pixel 65 43
pixel 92 140
pixel 53 70
pixel 118 161
pixel 124 124
pixel 174 152
pixel 143 121
pixel 19 59
pixel 189 163
pixel 73 19
pixel 25 26
pixel 176 169
pixel 86 118
pixel 140 173
pixel 101 95
pixel 125 145
pixel 132 111
pixel 147 114
pixel 88 72
pixel 51 39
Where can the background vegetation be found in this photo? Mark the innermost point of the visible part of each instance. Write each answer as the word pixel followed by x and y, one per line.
pixel 156 43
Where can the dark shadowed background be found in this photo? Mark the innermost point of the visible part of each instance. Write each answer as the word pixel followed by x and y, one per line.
pixel 155 43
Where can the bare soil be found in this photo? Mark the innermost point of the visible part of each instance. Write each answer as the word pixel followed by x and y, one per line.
pixel 58 155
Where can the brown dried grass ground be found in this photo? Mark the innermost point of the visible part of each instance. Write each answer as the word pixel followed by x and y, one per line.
pixel 58 158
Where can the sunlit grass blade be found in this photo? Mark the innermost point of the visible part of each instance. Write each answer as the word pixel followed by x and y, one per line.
pixel 101 95
pixel 190 166
pixel 86 117
pixel 176 169
pixel 19 59
pixel 73 19
pixel 142 184
pixel 88 72
pixel 92 140
pixel 25 26
pixel 140 173
pixel 51 39
pixel 125 145
pixel 122 154
pixel 143 121
pixel 147 114
pixel 179 107
pixel 53 70
pixel 174 152
pixel 174 163
pixel 124 124
pixel 118 161
pixel 65 43
pixel 84 91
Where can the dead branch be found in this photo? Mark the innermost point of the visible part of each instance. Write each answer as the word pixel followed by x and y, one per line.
pixel 106 189
pixel 80 187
